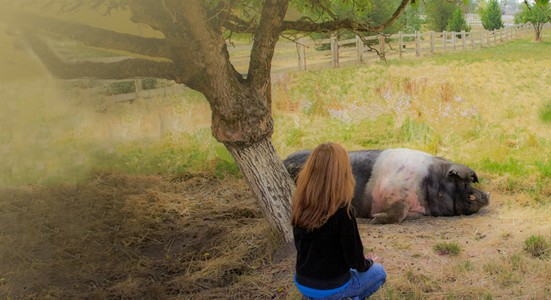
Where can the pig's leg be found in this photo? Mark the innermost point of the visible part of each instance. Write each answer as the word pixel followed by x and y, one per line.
pixel 412 215
pixel 395 212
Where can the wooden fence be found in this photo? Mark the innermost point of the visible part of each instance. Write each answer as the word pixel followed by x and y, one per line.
pixel 306 54
pixel 310 54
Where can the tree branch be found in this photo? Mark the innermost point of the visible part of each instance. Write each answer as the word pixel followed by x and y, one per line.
pixel 265 38
pixel 129 68
pixel 308 26
pixel 97 37
pixel 236 24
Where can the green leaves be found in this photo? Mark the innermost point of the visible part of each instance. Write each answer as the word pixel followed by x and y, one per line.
pixel 439 12
pixel 458 22
pixel 533 14
pixel 491 16
pixel 542 2
pixel 329 9
pixel 536 15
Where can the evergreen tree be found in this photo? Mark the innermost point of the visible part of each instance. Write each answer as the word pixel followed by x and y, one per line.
pixel 491 16
pixel 458 22
pixel 439 12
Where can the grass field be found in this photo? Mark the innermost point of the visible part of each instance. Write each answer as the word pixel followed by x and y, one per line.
pixel 137 200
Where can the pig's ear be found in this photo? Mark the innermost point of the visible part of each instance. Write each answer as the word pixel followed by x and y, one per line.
pixel 462 172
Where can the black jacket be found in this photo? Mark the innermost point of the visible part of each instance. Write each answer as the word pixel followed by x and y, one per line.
pixel 326 254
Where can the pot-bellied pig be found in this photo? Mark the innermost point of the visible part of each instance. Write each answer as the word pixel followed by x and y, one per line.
pixel 397 184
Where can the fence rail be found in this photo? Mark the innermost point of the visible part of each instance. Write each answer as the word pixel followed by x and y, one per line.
pixel 335 53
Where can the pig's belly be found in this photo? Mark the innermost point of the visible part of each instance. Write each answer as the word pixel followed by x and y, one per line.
pixel 397 177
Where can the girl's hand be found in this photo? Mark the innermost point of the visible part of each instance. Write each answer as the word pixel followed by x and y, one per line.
pixel 372 256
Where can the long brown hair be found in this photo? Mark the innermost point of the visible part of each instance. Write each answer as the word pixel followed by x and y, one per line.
pixel 323 186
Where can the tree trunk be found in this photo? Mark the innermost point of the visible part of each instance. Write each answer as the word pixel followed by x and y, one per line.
pixel 537 31
pixel 241 106
pixel 269 181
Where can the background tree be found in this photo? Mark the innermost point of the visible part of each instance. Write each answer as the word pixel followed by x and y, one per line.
pixel 491 15
pixel 373 11
pixel 510 6
pixel 537 15
pixel 193 51
pixel 458 22
pixel 471 6
pixel 439 12
pixel 408 22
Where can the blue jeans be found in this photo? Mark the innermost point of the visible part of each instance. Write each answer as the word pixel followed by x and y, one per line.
pixel 362 284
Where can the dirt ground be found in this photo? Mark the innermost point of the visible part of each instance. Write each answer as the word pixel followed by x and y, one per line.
pixel 199 237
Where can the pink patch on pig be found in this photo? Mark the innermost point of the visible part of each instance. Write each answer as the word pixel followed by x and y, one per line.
pixel 397 176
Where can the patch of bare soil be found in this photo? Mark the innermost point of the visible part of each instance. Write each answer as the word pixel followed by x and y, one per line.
pixel 200 237
pixel 492 263
pixel 152 237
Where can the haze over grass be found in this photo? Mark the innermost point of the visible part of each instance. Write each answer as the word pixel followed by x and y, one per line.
pixel 484 108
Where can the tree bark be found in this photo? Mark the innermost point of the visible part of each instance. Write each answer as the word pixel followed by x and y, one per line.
pixel 537 31
pixel 270 183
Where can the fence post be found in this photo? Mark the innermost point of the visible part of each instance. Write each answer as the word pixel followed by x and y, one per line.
pixel 463 40
pixel 138 87
pixel 453 39
pixel 482 39
pixel 334 51
pixel 472 39
pixel 301 51
pixel 432 42
pixel 444 40
pixel 382 47
pixel 359 49
pixel 400 43
pixel 417 43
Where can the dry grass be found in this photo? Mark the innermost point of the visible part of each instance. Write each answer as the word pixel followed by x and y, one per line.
pixel 491 265
pixel 197 237
pixel 153 237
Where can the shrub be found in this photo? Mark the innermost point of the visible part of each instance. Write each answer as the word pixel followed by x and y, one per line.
pixel 413 130
pixel 537 246
pixel 122 87
pixel 452 248
pixel 149 83
pixel 545 114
